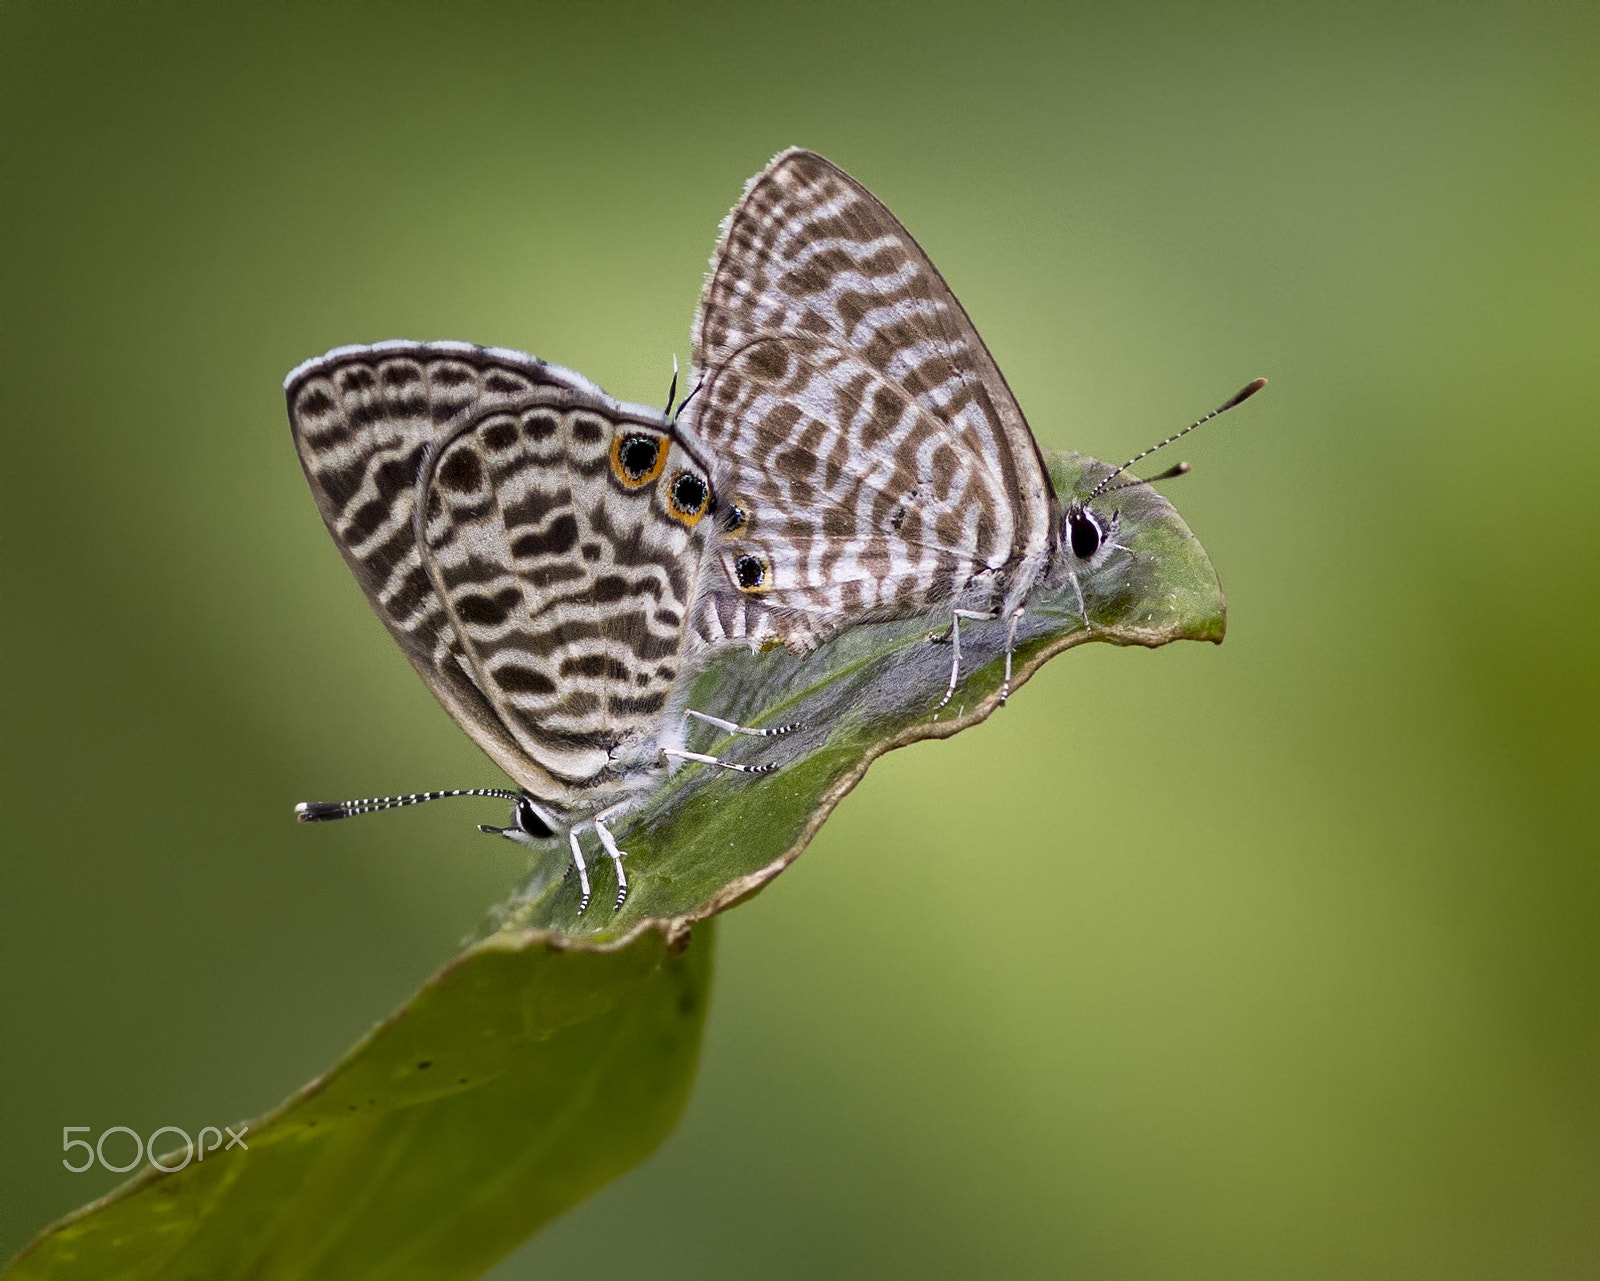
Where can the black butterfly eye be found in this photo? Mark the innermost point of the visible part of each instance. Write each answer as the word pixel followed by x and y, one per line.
pixel 527 819
pixel 1083 533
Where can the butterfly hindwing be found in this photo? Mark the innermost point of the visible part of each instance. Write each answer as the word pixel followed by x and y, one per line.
pixel 520 536
pixel 567 578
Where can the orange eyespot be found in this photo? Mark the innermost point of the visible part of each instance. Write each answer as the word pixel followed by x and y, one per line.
pixel 637 458
pixel 689 497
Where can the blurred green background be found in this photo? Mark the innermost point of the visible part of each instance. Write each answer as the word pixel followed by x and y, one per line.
pixel 1275 960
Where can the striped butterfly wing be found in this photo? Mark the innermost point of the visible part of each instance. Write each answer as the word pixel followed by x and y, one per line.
pixel 854 502
pixel 810 260
pixel 531 544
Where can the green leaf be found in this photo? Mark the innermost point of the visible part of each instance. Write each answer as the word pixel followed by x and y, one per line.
pixel 711 837
pixel 524 1076
pixel 557 1053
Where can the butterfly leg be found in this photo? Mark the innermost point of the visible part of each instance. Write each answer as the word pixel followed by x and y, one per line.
pixel 1077 590
pixel 956 615
pixel 583 871
pixel 728 727
pixel 704 759
pixel 616 855
pixel 1011 644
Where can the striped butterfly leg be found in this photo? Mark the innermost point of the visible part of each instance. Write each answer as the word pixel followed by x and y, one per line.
pixel 532 824
pixel 579 864
pixel 1011 645
pixel 582 870
pixel 612 852
pixel 1077 590
pixel 953 635
pixel 729 727
pixel 704 758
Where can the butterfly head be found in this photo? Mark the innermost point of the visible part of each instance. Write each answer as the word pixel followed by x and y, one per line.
pixel 1087 534
pixel 530 823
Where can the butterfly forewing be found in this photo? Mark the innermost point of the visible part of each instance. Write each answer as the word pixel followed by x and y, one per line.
pixel 520 534
pixel 857 500
pixel 813 260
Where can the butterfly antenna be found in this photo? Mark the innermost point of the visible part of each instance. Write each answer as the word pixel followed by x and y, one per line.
pixel 672 389
pixel 326 811
pixel 693 392
pixel 1237 399
pixel 1181 469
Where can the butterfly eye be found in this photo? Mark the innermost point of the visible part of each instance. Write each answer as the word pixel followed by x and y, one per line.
pixel 1084 534
pixel 733 520
pixel 527 819
pixel 750 572
pixel 637 459
pixel 690 496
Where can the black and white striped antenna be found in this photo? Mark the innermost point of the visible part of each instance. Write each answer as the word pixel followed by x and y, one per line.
pixel 327 811
pixel 1105 486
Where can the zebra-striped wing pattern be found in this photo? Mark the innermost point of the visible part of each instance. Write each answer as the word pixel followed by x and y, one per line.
pixel 854 502
pixel 876 458
pixel 533 545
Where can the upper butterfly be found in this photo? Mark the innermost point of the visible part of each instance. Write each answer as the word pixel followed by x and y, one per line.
pixel 534 546
pixel 874 461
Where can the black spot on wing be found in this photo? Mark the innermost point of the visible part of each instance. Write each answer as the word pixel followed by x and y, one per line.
pixel 603 665
pixel 482 610
pixel 535 506
pixel 517 679
pixel 461 472
pixel 540 425
pixel 643 705
pixel 558 539
pixel 500 435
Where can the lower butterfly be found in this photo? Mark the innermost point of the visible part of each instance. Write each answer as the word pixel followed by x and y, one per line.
pixel 536 549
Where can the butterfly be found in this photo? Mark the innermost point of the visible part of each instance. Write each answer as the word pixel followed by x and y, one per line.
pixel 554 562
pixel 875 462
pixel 536 549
